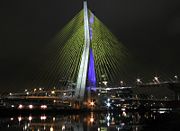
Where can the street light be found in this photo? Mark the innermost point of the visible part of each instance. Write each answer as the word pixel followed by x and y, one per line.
pixel 52 92
pixel 30 118
pixel 105 83
pixel 30 106
pixel 156 79
pixel 121 83
pixel 108 104
pixel 138 81
pixel 20 106
pixel 19 118
pixel 92 103
pixel 91 119
pixel 176 78
pixel 43 117
pixel 43 106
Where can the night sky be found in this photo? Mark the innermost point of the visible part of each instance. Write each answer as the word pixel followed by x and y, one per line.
pixel 150 29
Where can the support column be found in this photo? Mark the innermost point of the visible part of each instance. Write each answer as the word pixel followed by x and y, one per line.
pixel 82 75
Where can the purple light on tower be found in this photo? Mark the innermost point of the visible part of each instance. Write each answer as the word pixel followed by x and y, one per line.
pixel 91 70
pixel 91 20
pixel 90 33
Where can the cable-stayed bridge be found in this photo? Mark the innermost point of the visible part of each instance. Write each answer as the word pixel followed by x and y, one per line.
pixel 86 53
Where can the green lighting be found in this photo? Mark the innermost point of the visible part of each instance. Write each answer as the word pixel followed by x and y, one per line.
pixel 63 54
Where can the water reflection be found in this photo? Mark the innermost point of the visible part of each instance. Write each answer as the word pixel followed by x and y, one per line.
pixel 121 121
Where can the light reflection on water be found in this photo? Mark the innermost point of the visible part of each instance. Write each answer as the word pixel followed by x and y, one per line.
pixel 122 121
